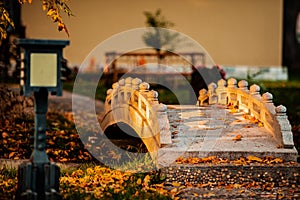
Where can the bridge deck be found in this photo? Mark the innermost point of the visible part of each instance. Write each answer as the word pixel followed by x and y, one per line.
pixel 215 130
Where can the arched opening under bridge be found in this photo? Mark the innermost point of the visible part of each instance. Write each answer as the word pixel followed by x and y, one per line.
pixel 124 137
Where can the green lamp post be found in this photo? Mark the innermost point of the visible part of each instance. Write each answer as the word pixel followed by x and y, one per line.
pixel 40 74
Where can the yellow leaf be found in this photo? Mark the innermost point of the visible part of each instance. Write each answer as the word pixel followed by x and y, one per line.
pixel 152 189
pixel 5 135
pixel 139 181
pixel 51 12
pixel 63 160
pixel 236 185
pixel 51 142
pixel 254 158
pixel 174 190
pixel 176 184
pixel 260 124
pixel 210 194
pixel 276 160
pixel 11 154
pixel 61 26
pixel 147 179
pixel 238 137
pixel 209 159
pixel 44 6
pixel 89 171
pixel 240 161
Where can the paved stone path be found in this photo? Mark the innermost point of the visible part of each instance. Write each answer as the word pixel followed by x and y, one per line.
pixel 64 103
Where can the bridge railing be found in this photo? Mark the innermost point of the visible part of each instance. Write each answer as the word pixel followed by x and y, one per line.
pixel 251 102
pixel 135 94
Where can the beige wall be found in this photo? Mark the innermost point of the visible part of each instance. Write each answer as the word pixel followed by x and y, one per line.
pixel 234 32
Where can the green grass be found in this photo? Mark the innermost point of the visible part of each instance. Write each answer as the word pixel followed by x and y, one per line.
pixel 8 182
pixel 89 181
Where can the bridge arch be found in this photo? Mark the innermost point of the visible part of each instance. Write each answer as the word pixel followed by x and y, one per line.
pixel 130 102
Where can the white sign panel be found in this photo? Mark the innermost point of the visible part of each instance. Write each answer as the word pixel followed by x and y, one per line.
pixel 43 69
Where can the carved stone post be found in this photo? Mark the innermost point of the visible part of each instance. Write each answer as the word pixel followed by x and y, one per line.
pixel 120 90
pixel 152 96
pixel 128 89
pixel 254 92
pixel 243 101
pixel 231 94
pixel 135 83
pixel 267 99
pixel 267 112
pixel 203 96
pixel 221 92
pixel 164 126
pixel 144 88
pixel 213 97
pixel 284 127
pixel 128 82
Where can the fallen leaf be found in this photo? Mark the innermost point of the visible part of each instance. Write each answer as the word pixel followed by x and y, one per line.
pixel 5 135
pixel 210 194
pixel 174 190
pixel 139 181
pixel 260 124
pixel 276 160
pixel 11 154
pixel 238 137
pixel 176 184
pixel 254 158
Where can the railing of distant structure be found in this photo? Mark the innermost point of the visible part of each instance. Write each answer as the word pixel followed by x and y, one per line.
pixel 251 102
pixel 182 61
pixel 130 101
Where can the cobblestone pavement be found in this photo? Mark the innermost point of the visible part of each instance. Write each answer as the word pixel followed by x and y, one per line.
pixel 192 193
pixel 224 181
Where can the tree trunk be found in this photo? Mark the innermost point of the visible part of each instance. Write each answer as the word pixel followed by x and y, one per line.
pixel 291 47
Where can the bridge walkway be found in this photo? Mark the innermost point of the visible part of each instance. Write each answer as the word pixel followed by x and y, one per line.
pixel 218 131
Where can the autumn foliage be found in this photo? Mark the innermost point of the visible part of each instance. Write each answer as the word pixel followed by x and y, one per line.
pixel 54 9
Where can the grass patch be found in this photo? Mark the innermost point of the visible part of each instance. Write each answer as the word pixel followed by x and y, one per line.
pixel 8 182
pixel 90 181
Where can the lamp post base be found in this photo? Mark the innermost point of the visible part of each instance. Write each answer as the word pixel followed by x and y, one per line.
pixel 38 181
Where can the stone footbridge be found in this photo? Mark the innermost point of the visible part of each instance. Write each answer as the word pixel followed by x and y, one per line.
pixel 230 120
